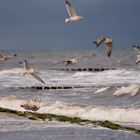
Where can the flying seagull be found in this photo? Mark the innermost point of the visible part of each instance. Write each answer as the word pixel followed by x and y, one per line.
pixel 137 49
pixel 105 41
pixel 73 61
pixel 4 57
pixel 72 13
pixel 29 70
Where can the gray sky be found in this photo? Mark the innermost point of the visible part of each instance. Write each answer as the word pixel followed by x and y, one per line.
pixel 39 24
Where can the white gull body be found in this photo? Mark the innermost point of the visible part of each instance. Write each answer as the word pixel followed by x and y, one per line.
pixel 72 13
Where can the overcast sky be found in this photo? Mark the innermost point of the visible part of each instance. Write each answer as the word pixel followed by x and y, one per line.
pixel 39 24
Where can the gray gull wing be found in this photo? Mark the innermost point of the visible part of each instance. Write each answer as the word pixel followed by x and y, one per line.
pixel 71 9
pixel 37 77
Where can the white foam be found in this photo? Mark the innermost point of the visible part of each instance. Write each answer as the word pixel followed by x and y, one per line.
pixel 105 78
pixel 12 102
pixel 77 74
pixel 14 71
pixel 132 90
pixel 101 89
pixel 123 115
pixel 130 115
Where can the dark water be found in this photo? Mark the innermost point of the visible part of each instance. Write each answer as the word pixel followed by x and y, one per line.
pixel 68 134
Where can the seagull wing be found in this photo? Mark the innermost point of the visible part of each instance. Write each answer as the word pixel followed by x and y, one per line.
pixel 26 65
pixel 109 48
pixel 55 62
pixel 84 56
pixel 78 57
pixel 137 49
pixel 100 41
pixel 37 77
pixel 138 59
pixel 58 62
pixel 71 9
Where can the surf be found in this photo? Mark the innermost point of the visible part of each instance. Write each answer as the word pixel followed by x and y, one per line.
pixel 129 115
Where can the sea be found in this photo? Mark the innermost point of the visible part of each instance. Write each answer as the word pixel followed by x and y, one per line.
pixel 112 94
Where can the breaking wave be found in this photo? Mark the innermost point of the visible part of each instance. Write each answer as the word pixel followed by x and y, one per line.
pixel 115 114
pixel 14 71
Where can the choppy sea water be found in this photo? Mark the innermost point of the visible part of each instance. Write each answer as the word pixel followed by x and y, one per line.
pixel 98 99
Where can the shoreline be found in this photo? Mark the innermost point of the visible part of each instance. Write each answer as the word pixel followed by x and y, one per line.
pixel 72 120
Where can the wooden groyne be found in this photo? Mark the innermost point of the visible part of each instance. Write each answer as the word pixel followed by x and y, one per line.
pixel 83 69
pixel 62 87
pixel 51 87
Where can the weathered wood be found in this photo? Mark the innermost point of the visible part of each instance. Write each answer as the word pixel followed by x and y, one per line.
pixel 83 69
pixel 50 87
pixel 60 87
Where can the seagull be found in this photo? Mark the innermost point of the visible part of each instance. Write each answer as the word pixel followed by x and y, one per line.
pixel 72 13
pixel 29 70
pixel 4 57
pixel 72 61
pixel 137 49
pixel 105 41
pixel 32 105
